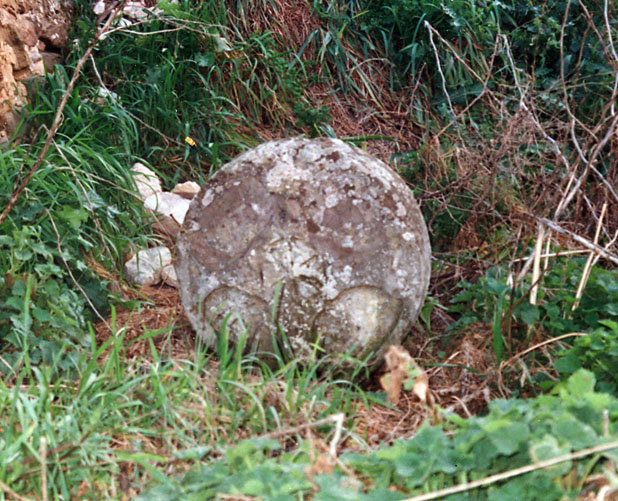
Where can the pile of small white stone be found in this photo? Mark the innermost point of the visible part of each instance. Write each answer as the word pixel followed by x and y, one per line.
pixel 153 265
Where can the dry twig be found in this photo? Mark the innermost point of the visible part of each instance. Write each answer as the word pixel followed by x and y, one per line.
pixel 19 188
pixel 10 492
pixel 515 472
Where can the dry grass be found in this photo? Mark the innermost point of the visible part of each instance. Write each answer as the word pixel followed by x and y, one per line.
pixel 463 382
pixel 160 312
pixel 372 108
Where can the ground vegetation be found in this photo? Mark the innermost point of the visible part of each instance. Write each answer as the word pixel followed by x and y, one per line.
pixel 500 115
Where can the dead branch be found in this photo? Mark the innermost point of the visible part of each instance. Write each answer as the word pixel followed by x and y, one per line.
pixel 515 472
pixel 18 190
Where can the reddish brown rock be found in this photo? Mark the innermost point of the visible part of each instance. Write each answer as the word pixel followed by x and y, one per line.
pixel 27 29
pixel 187 190
pixel 316 235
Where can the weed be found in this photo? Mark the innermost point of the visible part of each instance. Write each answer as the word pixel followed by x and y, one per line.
pixel 480 301
pixel 597 352
pixel 514 433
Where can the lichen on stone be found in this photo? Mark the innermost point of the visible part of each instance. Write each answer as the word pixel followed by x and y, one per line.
pixel 313 237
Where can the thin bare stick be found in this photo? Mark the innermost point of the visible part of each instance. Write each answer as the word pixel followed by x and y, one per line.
pixel 589 262
pixel 552 254
pixel 515 473
pixel 540 345
pixel 606 246
pixel 591 163
pixel 547 247
pixel 526 267
pixel 606 492
pixel 43 453
pixel 454 52
pixel 602 251
pixel 18 190
pixel 9 367
pixel 338 419
pixel 10 492
pixel 536 269
pixel 612 48
pixel 335 418
pixel 477 98
pixel 435 51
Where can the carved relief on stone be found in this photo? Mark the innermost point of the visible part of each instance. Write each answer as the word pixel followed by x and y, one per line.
pixel 315 236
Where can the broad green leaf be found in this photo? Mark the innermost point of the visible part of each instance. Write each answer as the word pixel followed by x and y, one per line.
pixel 75 217
pixel 581 383
pixel 548 448
pixel 568 364
pixel 41 315
pixel 528 313
pixel 506 435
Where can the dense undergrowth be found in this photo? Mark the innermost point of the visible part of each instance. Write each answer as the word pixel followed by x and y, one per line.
pixel 502 117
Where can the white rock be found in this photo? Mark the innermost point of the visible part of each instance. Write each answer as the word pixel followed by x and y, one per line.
pixel 168 204
pixel 144 268
pixel 146 180
pixel 102 95
pixel 138 10
pixel 99 7
pixel 168 275
pixel 187 190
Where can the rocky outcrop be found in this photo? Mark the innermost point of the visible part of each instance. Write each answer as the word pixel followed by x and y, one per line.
pixel 314 236
pixel 31 34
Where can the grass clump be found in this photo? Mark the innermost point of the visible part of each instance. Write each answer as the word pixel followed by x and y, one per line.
pixel 121 424
pixel 77 211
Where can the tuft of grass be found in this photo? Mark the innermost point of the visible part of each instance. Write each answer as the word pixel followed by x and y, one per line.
pixel 119 425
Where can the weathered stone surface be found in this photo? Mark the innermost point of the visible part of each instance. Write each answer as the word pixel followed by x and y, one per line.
pixel 323 229
pixel 168 275
pixel 145 267
pixel 27 29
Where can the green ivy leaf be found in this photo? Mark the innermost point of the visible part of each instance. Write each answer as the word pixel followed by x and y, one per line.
pixel 75 217
pixel 574 432
pixel 568 364
pixel 506 435
pixel 6 240
pixel 581 383
pixel 41 315
pixel 548 448
pixel 528 313
pixel 533 487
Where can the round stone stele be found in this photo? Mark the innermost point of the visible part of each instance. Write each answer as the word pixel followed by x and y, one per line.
pixel 312 238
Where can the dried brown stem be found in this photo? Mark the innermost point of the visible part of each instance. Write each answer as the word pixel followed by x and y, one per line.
pixel 515 472
pixel 19 189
